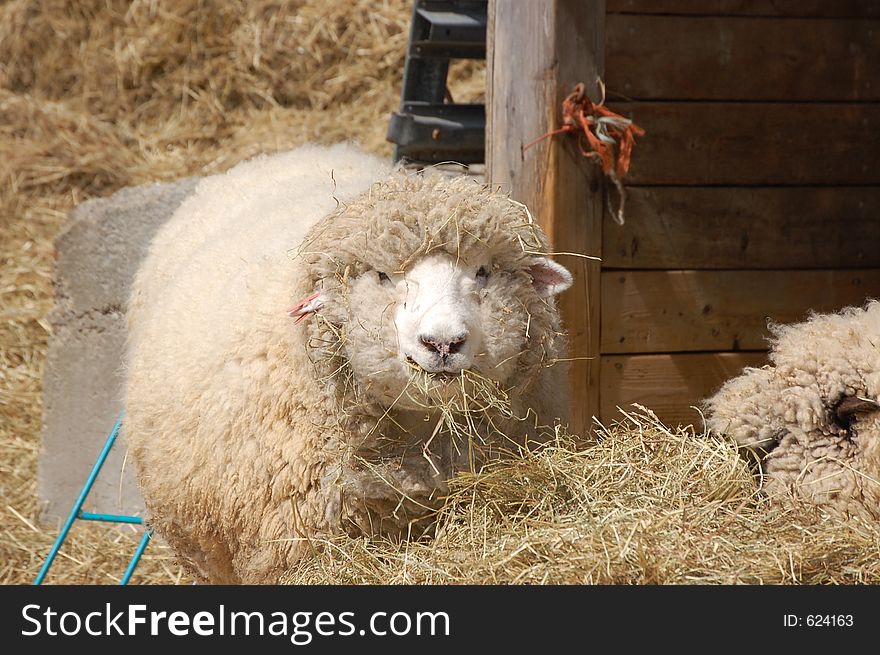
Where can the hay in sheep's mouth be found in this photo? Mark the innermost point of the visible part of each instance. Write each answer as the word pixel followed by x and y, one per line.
pixel 469 405
pixel 647 504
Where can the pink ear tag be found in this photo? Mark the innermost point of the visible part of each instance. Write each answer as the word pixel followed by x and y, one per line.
pixel 305 307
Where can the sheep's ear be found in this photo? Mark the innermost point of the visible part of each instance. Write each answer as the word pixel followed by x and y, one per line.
pixel 549 277
pixel 851 405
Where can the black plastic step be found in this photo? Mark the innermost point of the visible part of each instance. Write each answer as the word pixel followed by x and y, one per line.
pixel 440 132
pixel 427 129
pixel 454 30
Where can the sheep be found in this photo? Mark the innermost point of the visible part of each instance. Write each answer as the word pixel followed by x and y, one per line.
pixel 423 340
pixel 813 411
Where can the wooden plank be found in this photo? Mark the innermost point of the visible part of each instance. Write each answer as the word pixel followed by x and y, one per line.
pixel 745 227
pixel 537 52
pixel 675 311
pixel 695 143
pixel 791 8
pixel 668 384
pixel 730 58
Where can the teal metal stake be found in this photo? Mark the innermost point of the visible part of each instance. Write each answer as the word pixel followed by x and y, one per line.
pixel 142 546
pixel 77 513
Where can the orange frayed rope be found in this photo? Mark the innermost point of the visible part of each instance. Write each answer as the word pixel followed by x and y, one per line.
pixel 602 135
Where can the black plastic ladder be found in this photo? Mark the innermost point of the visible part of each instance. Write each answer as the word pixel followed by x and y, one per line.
pixel 427 129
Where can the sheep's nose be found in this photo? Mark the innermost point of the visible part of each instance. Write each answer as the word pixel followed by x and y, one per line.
pixel 442 346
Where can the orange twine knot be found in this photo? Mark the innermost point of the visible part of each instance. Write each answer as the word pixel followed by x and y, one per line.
pixel 610 136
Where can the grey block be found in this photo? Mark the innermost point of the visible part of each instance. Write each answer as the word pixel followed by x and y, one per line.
pixel 97 256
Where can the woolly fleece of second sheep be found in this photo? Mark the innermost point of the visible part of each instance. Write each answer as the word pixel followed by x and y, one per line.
pixel 787 409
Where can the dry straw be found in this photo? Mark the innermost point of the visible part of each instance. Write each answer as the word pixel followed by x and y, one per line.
pixel 645 505
pixel 96 95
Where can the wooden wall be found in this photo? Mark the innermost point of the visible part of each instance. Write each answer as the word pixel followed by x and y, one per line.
pixel 564 45
pixel 754 196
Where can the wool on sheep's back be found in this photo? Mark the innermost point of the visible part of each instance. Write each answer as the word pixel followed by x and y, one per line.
pixel 194 368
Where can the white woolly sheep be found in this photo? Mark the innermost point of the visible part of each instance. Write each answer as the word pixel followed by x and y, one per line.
pixel 814 411
pixel 426 345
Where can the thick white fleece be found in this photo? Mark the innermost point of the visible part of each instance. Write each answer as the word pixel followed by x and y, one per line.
pixel 253 435
pixel 789 409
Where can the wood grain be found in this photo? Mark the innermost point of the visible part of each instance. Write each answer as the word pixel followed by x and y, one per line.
pixel 676 311
pixel 729 58
pixel 791 8
pixel 711 143
pixel 668 384
pixel 537 52
pixel 745 227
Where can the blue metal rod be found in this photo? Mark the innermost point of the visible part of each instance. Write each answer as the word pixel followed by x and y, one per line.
pixel 77 506
pixel 110 518
pixel 142 546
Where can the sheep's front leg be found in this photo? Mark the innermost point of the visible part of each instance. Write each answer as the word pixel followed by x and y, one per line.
pixel 389 497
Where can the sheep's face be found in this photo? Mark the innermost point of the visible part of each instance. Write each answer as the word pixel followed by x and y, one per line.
pixel 429 286
pixel 412 333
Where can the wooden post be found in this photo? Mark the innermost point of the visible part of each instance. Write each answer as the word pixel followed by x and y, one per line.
pixel 536 52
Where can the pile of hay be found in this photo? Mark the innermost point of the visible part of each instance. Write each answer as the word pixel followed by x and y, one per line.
pixel 645 505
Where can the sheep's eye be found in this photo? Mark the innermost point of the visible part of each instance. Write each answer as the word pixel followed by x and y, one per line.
pixel 483 274
pixel 383 277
